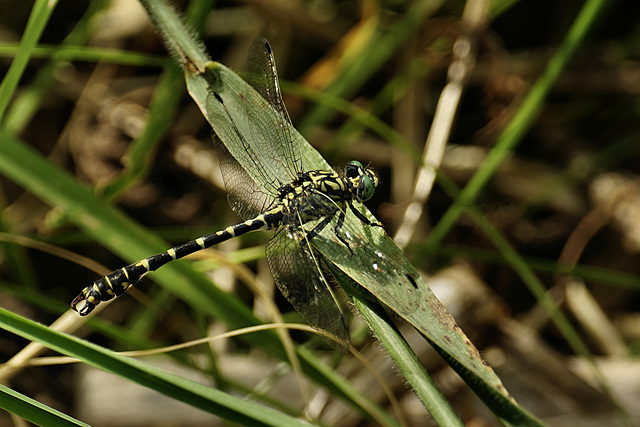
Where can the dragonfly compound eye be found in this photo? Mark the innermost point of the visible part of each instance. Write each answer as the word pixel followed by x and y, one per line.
pixel 367 185
pixel 354 169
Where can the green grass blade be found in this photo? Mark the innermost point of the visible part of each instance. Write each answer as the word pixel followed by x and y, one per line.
pixel 200 396
pixel 522 120
pixel 38 19
pixel 404 358
pixel 379 266
pixel 73 52
pixel 180 41
pixel 586 272
pixel 34 411
pixel 29 100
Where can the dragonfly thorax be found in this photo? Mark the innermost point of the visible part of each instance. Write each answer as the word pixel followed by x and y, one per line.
pixel 317 194
pixel 313 195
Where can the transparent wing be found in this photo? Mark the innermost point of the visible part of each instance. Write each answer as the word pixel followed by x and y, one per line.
pixel 261 154
pixel 298 275
pixel 246 197
pixel 275 138
pixel 250 186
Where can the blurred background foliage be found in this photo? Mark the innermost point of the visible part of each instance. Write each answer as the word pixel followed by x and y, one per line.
pixel 567 199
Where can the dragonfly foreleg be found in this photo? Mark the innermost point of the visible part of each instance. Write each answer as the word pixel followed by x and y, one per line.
pixel 338 229
pixel 363 218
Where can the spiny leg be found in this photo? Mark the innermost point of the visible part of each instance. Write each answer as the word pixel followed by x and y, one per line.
pixel 363 218
pixel 318 228
pixel 339 224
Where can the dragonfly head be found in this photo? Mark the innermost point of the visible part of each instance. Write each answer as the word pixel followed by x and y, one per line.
pixel 363 180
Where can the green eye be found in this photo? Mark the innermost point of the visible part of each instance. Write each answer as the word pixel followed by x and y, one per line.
pixel 366 187
pixel 353 169
pixel 365 179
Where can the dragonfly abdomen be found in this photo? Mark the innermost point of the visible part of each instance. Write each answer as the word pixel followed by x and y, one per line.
pixel 116 283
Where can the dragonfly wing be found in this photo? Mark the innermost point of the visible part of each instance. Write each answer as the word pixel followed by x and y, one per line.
pixel 245 196
pixel 298 274
pixel 239 148
pixel 263 77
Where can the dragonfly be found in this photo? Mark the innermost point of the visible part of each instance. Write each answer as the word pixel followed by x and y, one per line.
pixel 269 189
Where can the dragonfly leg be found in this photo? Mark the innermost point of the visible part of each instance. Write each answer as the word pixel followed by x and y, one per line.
pixel 338 229
pixel 363 218
pixel 318 228
pixel 339 224
pixel 322 224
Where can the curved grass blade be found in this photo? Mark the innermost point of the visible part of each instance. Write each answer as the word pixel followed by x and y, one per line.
pixel 235 409
pixel 34 411
pixel 40 14
pixel 403 356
